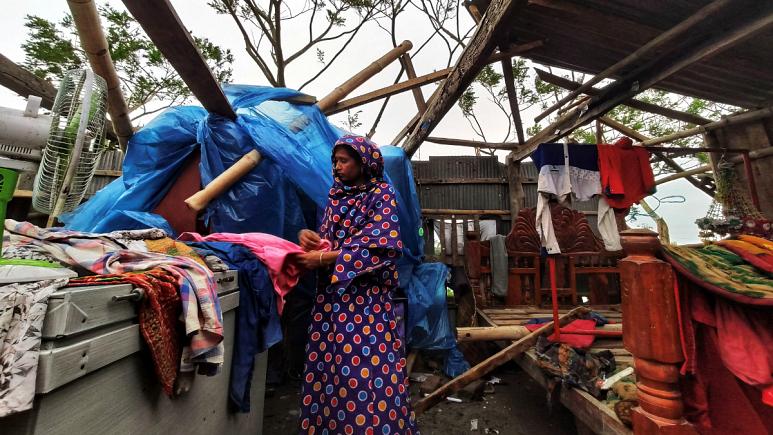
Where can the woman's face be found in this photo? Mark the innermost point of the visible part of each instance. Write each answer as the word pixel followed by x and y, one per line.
pixel 346 167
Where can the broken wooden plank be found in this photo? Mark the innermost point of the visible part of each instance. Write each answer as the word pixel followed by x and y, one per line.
pixel 160 21
pixel 25 83
pixel 493 362
pixel 473 143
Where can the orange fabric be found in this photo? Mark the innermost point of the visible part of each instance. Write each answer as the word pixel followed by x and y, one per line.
pixel 759 257
pixel 626 175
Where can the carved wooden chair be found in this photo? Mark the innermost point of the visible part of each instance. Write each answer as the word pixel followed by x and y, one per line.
pixel 583 254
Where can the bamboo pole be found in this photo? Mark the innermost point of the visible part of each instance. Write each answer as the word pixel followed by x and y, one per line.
pixel 699 170
pixel 199 200
pixel 473 143
pixel 491 333
pixel 94 43
pixel 412 84
pixel 730 120
pixel 637 56
pixel 494 361
pixel 375 67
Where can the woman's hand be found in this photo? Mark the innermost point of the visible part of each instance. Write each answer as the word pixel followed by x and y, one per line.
pixel 309 240
pixel 310 260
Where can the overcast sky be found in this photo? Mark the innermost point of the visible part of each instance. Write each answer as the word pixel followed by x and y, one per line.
pixel 371 43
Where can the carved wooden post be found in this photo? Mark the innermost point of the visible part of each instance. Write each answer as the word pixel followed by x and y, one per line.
pixel 652 335
pixel 472 256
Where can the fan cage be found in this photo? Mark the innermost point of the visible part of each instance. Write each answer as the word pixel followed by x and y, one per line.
pixel 67 116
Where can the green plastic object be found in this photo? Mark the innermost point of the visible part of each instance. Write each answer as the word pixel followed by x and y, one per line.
pixel 8 179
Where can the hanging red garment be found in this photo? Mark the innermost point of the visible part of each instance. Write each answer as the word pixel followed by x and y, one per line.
pixel 626 175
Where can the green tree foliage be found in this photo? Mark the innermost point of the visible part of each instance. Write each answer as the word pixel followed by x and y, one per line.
pixel 149 82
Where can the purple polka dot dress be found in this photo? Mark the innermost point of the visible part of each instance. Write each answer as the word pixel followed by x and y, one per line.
pixel 353 377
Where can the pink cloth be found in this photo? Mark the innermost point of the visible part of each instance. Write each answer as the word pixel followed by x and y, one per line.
pixel 274 252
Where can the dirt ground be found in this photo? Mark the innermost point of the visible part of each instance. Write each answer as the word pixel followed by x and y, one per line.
pixel 518 406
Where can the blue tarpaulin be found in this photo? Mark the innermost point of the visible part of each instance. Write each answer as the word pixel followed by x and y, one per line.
pixel 285 193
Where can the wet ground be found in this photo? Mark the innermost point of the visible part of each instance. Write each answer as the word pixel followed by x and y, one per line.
pixel 518 406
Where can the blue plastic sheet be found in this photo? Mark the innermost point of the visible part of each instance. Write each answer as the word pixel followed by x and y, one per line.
pixel 284 194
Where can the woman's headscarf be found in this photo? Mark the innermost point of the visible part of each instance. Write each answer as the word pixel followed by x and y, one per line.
pixel 361 220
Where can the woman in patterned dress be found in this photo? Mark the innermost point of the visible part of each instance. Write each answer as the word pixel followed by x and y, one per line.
pixel 354 381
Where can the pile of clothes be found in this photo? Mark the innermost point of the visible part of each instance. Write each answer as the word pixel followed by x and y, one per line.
pixel 179 314
pixel 726 316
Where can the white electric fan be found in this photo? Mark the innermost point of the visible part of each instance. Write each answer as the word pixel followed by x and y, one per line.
pixel 68 142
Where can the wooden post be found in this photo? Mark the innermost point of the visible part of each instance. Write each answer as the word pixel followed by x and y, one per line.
pixel 443 249
pixel 421 104
pixel 740 118
pixel 472 258
pixel 651 334
pixel 512 97
pixel 454 242
pixel 517 195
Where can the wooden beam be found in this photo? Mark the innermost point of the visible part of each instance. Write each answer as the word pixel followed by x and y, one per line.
pixel 631 102
pixel 411 84
pixel 407 129
pixel 473 143
pixel 741 118
pixel 517 196
pixel 512 98
pixel 450 212
pixel 663 40
pixel 414 83
pixel 653 72
pixel 460 181
pixel 494 361
pixel 24 83
pixel 361 77
pixel 421 104
pixel 160 21
pixel 469 64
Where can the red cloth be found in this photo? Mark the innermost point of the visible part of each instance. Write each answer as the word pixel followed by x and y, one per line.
pixel 159 317
pixel 626 174
pixel 574 340
pixel 729 350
